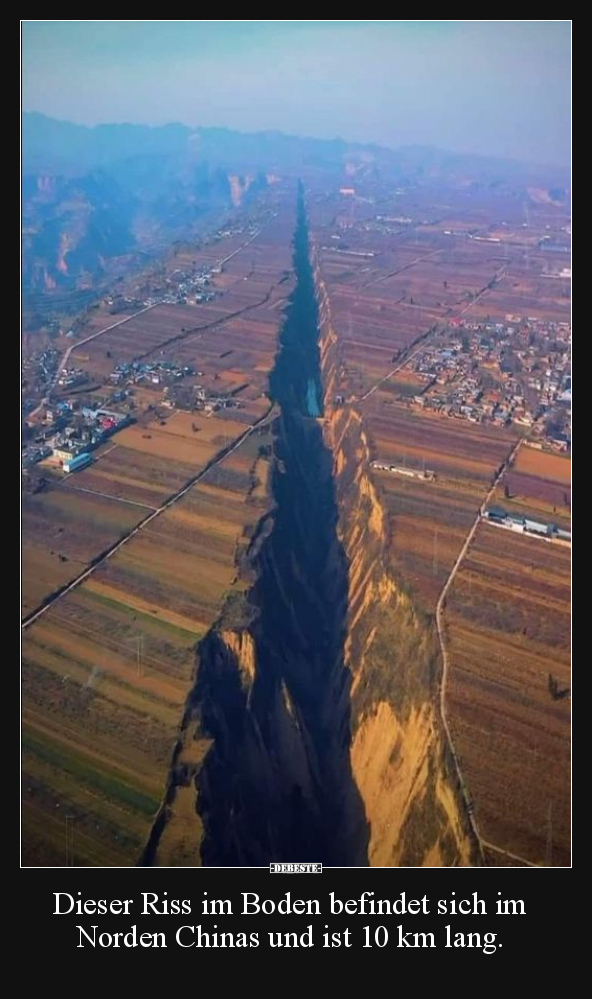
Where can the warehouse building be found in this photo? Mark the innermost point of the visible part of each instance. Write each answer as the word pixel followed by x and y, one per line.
pixel 75 464
pixel 500 517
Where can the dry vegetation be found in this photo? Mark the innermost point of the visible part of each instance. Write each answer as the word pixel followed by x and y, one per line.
pixel 63 529
pixel 429 520
pixel 508 625
pixel 107 668
pixel 507 615
pixel 538 485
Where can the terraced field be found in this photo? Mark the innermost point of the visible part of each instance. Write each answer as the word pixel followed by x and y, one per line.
pixel 234 332
pixel 147 462
pixel 538 485
pixel 106 671
pixel 429 520
pixel 507 613
pixel 388 289
pixel 508 627
pixel 63 529
pixel 507 617
pixel 76 518
pixel 107 667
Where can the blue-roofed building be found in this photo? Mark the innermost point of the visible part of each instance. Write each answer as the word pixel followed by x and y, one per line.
pixel 496 513
pixel 75 464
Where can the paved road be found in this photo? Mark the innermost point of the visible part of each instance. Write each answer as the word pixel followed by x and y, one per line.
pixel 33 615
pixel 241 247
pixel 412 263
pixel 445 656
pixel 120 322
pixel 75 346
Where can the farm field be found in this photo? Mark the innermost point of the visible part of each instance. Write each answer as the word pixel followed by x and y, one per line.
pixel 234 332
pixel 524 289
pixel 394 272
pixel 538 485
pixel 63 529
pixel 388 288
pixel 184 438
pixel 106 670
pixel 148 461
pixel 76 518
pixel 429 520
pixel 108 667
pixel 507 620
pixel 394 278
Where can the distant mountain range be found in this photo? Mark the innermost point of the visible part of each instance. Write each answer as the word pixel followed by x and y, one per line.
pixel 94 198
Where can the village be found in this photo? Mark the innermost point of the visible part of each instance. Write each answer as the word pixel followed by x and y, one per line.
pixel 512 372
pixel 69 433
pixel 180 288
pixel 74 427
pixel 176 286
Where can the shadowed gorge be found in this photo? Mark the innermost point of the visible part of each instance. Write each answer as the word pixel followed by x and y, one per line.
pixel 277 782
pixel 273 695
pixel 400 757
pixel 314 702
pixel 296 446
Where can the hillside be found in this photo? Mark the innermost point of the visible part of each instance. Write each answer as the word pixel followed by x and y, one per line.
pixel 98 200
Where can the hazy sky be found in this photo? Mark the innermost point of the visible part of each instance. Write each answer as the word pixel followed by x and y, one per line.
pixel 497 87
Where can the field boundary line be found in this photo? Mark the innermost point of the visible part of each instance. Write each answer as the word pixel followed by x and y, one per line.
pixel 401 364
pixel 445 657
pixel 118 499
pixel 80 343
pixel 74 346
pixel 404 267
pixel 30 618
pixel 200 331
pixel 420 341
pixel 507 853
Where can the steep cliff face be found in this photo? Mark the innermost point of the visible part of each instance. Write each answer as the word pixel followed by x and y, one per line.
pixel 311 732
pixel 274 697
pixel 399 757
pixel 272 692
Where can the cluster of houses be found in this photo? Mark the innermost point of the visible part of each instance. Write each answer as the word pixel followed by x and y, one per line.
pixel 72 377
pixel 525 525
pixel 180 287
pixel 157 373
pixel 32 453
pixel 517 371
pixel 191 287
pixel 183 287
pixel 120 303
pixel 196 398
pixel 70 432
pixel 93 427
pixel 38 370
